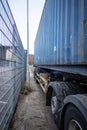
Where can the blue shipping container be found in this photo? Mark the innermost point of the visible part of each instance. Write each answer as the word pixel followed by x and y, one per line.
pixel 62 33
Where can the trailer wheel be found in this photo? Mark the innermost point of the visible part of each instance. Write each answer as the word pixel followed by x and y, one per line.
pixel 54 106
pixel 74 120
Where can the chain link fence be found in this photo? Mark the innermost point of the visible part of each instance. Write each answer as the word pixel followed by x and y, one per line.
pixel 12 65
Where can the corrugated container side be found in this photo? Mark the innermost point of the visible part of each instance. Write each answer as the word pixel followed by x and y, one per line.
pixel 85 24
pixel 62 33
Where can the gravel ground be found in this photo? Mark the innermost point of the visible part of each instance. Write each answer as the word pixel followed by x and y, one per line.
pixel 31 112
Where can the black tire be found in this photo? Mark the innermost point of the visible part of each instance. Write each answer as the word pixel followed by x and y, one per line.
pixel 73 118
pixel 54 112
pixel 63 89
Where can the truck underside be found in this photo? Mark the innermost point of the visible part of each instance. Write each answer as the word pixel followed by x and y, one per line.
pixel 66 93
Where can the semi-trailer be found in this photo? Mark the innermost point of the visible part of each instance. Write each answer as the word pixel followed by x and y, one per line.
pixel 60 60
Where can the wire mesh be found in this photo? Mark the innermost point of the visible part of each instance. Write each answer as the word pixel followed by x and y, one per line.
pixel 12 64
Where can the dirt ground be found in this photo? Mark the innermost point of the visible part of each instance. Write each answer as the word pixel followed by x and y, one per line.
pixel 31 112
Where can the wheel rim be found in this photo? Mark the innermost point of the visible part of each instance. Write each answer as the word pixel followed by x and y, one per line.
pixel 74 125
pixel 54 105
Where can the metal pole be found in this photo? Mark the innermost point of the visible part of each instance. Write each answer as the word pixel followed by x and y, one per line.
pixel 28 70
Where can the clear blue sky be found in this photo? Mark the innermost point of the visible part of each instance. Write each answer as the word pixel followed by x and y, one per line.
pixel 19 9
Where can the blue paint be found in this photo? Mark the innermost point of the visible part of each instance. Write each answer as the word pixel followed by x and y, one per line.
pixel 62 33
pixel 67 28
pixel 85 31
pixel 75 35
pixel 62 51
pixel 55 31
pixel 25 51
pixel 58 31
